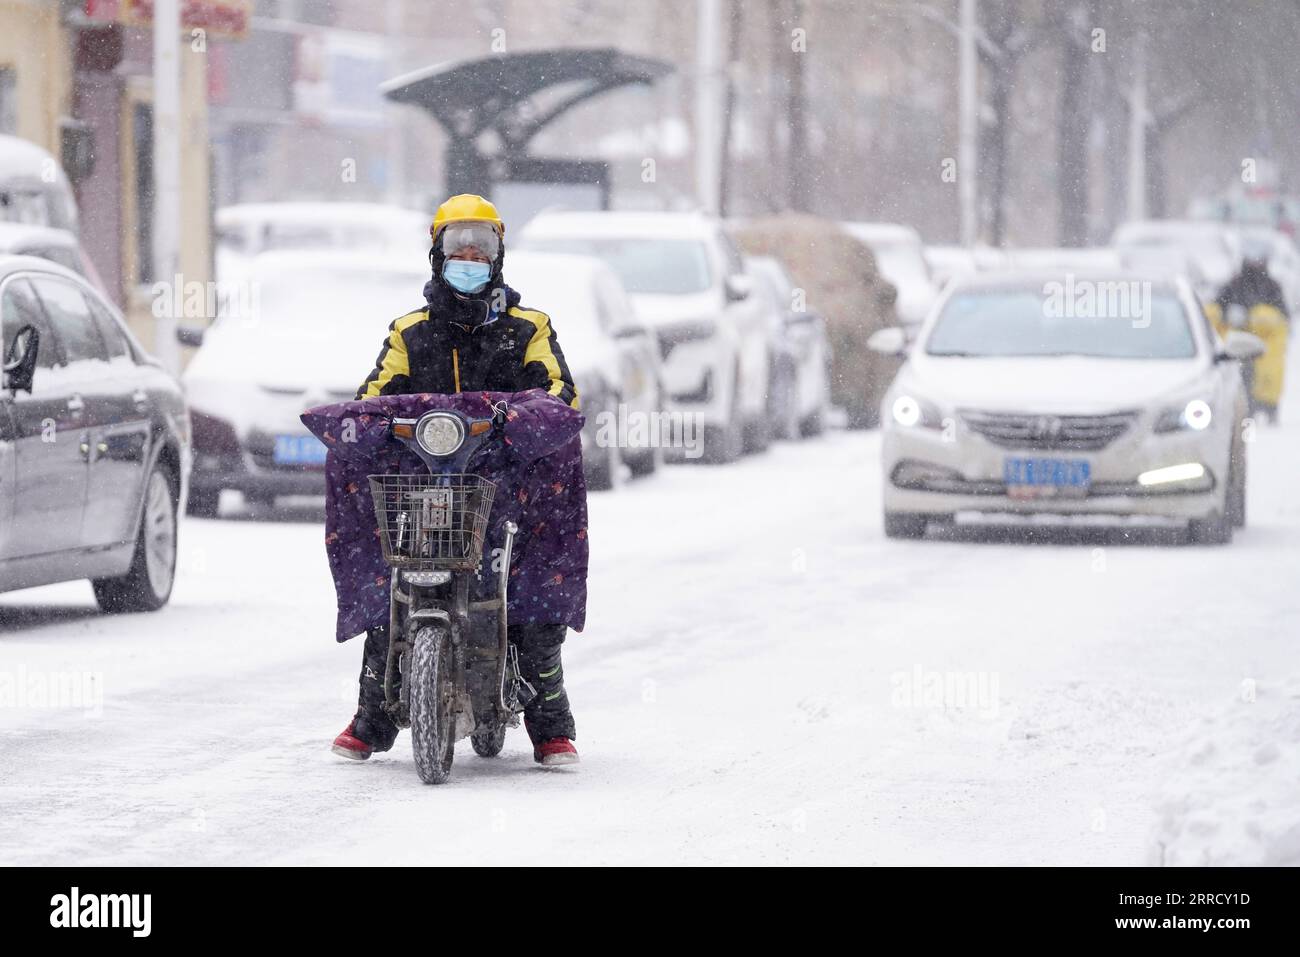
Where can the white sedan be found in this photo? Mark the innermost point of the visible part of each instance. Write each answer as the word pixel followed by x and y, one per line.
pixel 1033 393
pixel 302 329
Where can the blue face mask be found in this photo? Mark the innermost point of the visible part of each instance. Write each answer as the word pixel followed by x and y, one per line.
pixel 465 275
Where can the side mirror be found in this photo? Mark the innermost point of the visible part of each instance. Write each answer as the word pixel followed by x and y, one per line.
pixel 1241 346
pixel 20 359
pixel 889 341
pixel 631 331
pixel 190 336
pixel 739 287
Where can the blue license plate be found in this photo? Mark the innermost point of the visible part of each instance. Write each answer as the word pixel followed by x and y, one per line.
pixel 298 450
pixel 1046 473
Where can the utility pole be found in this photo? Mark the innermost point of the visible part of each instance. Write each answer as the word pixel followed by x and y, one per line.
pixel 167 172
pixel 968 126
pixel 708 124
pixel 1137 134
pixel 395 174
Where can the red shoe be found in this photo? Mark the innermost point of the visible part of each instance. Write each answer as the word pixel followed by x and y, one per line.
pixel 348 745
pixel 555 753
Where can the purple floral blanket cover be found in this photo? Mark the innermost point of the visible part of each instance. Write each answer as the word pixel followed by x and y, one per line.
pixel 540 487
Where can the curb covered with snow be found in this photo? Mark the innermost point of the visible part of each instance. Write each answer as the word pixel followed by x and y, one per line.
pixel 1234 796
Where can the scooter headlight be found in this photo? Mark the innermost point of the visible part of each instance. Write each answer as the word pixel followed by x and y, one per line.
pixel 440 433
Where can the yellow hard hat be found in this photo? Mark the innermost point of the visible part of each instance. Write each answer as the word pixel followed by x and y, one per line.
pixel 466 208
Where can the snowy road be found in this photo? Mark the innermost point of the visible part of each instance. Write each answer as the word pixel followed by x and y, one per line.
pixel 753 685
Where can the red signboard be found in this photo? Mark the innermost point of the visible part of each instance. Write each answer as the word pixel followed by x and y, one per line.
pixel 225 18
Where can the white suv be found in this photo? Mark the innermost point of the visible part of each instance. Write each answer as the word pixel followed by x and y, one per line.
pixel 687 282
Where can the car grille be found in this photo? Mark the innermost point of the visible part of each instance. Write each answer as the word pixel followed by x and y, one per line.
pixel 674 335
pixel 1071 432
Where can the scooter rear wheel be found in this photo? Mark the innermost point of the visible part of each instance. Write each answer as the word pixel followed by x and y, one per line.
pixel 432 697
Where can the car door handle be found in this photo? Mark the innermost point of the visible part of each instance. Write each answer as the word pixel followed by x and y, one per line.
pixel 101 447
pixel 141 399
pixel 76 405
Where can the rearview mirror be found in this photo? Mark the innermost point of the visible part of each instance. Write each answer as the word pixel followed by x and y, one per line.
pixel 739 287
pixel 190 336
pixel 20 359
pixel 1241 345
pixel 890 341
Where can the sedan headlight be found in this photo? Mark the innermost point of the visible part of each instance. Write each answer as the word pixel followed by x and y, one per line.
pixel 1195 416
pixel 439 433
pixel 909 411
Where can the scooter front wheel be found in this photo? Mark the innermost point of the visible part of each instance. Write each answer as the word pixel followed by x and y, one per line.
pixel 432 698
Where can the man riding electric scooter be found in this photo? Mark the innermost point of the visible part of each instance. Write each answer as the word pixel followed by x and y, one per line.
pixel 472 335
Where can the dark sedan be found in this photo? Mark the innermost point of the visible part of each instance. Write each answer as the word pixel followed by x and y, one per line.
pixel 94 444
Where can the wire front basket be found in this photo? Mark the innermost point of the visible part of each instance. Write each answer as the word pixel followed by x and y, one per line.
pixel 432 522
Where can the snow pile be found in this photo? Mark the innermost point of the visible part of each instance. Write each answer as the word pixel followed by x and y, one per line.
pixel 1234 800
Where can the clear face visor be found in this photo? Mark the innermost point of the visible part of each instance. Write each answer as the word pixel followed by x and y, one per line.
pixel 461 237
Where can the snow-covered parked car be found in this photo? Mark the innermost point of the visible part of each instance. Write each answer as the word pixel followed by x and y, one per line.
pixel 57 245
pixel 612 356
pixel 94 444
pixel 799 397
pixel 246 230
pixel 305 332
pixel 900 256
pixel 687 282
pixel 1211 249
pixel 1106 394
pixel 34 190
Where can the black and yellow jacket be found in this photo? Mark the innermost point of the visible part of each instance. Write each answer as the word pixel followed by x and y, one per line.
pixel 510 352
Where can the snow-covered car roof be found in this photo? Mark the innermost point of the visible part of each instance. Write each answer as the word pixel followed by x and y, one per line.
pixel 26 168
pixel 559 268
pixel 20 157
pixel 1171 229
pixel 15 235
pixel 316 212
pixel 1035 278
pixel 12 263
pixel 336 261
pixel 1065 257
pixel 872 233
pixel 650 225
